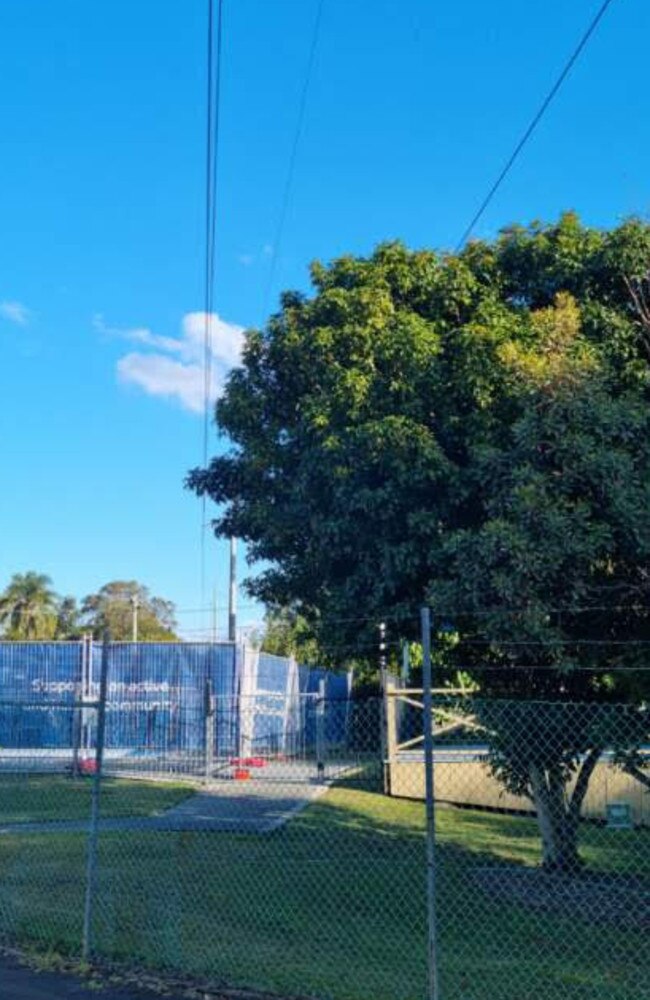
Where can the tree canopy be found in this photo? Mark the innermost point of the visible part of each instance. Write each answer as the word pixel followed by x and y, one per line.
pixel 286 633
pixel 469 430
pixel 29 607
pixel 112 608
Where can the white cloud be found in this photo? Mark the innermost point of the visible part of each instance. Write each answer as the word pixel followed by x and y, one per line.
pixel 226 339
pixel 162 376
pixel 175 368
pixel 137 335
pixel 15 312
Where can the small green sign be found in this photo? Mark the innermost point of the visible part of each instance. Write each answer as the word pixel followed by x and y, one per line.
pixel 619 816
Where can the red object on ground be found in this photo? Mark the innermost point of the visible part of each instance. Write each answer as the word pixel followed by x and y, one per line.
pixel 249 761
pixel 241 774
pixel 87 765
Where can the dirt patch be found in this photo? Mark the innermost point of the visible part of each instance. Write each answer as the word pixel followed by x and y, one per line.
pixel 622 899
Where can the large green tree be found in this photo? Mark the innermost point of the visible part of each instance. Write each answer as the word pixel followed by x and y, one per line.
pixel 113 608
pixel 287 633
pixel 470 430
pixel 28 607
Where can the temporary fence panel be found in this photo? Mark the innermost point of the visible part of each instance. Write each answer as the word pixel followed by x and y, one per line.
pixel 159 698
pixel 336 688
pixel 156 692
pixel 34 676
pixel 274 704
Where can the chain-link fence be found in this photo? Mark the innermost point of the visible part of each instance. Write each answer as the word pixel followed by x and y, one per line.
pixel 297 855
pixel 542 842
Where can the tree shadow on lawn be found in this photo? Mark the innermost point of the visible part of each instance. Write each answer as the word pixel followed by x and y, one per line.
pixel 501 919
pixel 495 853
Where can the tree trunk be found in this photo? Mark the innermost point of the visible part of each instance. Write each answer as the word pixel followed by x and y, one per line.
pixel 559 834
pixel 558 814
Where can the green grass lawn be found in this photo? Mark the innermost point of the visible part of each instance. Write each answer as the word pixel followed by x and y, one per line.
pixel 332 905
pixel 41 798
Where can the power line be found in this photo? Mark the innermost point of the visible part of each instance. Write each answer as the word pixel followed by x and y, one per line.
pixel 411 614
pixel 556 668
pixel 522 609
pixel 275 246
pixel 547 644
pixel 535 122
pixel 211 176
pixel 214 48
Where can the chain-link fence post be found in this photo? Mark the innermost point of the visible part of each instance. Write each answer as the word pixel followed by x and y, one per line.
pixel 320 731
pixel 209 736
pixel 427 701
pixel 93 833
pixel 382 691
pixel 77 715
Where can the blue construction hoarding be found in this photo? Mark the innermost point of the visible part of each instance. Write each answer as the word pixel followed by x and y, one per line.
pixel 159 694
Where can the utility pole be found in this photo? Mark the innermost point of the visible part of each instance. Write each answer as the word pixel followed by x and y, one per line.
pixel 135 604
pixel 232 593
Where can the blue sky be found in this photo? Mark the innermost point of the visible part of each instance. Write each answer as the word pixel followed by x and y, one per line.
pixel 412 109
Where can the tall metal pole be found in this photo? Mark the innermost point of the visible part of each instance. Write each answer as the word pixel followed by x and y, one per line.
pixel 427 701
pixel 93 833
pixel 232 593
pixel 383 707
pixel 135 604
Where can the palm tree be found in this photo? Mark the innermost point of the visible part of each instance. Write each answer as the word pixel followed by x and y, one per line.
pixel 28 607
pixel 67 619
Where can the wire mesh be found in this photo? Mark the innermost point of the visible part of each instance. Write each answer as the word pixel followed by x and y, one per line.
pixel 44 808
pixel 542 843
pixel 279 844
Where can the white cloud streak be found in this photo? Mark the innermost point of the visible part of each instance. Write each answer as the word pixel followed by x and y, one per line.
pixel 15 312
pixel 174 368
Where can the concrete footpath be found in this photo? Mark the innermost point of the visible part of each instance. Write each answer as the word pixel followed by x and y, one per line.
pixel 249 807
pixel 20 983
pixel 260 805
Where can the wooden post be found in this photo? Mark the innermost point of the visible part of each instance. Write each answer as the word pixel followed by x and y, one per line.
pixel 391 729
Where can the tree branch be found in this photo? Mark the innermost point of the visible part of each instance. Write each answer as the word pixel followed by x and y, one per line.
pixel 582 783
pixel 636 772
